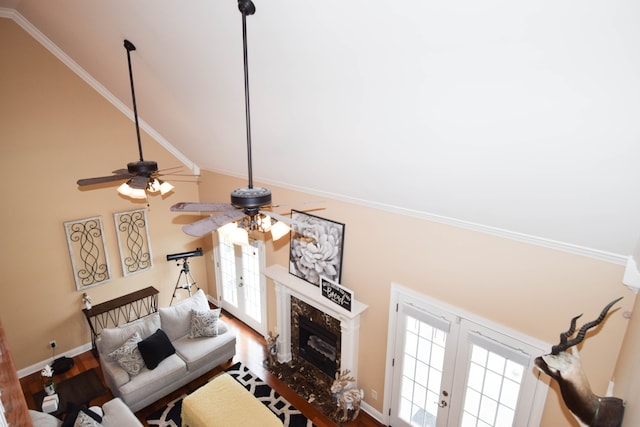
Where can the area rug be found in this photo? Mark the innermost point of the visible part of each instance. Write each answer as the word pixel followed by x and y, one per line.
pixel 169 416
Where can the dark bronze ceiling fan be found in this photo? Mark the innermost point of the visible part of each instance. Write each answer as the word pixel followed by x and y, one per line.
pixel 142 176
pixel 247 205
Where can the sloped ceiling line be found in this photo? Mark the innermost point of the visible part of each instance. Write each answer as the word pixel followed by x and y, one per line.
pixel 549 243
pixel 58 53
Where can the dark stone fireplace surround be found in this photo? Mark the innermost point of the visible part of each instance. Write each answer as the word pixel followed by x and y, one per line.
pixel 344 324
pixel 308 324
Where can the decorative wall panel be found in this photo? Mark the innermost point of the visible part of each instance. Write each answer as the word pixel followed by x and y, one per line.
pixel 89 260
pixel 133 241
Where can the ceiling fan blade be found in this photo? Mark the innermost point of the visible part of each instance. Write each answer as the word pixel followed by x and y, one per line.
pixel 102 179
pixel 202 207
pixel 212 223
pixel 167 170
pixel 122 172
pixel 286 218
pixel 278 217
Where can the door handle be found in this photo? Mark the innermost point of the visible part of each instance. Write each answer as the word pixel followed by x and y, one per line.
pixel 443 403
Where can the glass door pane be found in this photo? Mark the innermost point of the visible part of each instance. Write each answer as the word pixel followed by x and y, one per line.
pixel 422 356
pixel 251 282
pixel 492 390
pixel 241 285
pixel 227 271
pixel 496 379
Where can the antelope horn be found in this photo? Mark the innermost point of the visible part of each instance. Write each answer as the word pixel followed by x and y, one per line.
pixel 564 336
pixel 583 330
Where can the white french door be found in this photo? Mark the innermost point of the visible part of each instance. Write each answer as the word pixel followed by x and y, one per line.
pixel 452 371
pixel 240 284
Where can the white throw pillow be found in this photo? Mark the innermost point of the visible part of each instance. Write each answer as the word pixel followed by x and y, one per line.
pixel 176 321
pixel 112 338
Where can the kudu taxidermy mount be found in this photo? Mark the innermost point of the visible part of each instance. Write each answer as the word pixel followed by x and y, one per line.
pixel 564 367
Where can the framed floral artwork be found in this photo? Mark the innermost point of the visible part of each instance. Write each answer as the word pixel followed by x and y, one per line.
pixel 133 241
pixel 316 248
pixel 89 260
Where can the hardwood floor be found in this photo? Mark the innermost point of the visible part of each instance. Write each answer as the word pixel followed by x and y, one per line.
pixel 250 351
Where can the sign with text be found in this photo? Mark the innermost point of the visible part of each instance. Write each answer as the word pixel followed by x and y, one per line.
pixel 336 293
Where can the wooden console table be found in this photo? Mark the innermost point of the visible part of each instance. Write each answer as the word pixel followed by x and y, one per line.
pixel 120 310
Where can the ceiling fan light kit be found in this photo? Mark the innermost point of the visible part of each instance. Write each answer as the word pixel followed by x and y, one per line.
pixel 141 176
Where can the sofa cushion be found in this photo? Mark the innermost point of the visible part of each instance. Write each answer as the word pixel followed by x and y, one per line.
pixel 117 414
pixel 128 356
pixel 112 338
pixel 155 348
pixel 41 419
pixel 204 323
pixel 115 372
pixel 176 320
pixel 169 372
pixel 197 352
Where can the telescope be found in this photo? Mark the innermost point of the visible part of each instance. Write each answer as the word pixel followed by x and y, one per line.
pixel 182 255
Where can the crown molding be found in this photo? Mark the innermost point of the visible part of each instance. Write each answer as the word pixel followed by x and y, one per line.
pixel 454 222
pixel 84 75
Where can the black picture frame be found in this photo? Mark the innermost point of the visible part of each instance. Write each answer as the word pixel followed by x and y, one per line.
pixel 316 248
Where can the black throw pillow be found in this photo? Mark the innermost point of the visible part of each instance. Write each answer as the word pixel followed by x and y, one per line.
pixel 73 409
pixel 155 348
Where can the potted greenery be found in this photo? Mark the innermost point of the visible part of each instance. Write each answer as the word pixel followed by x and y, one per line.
pixel 47 378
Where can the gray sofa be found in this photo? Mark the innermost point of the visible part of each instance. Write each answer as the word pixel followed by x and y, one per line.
pixel 114 413
pixel 140 384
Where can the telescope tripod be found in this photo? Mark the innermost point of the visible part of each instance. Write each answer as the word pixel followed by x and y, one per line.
pixel 189 281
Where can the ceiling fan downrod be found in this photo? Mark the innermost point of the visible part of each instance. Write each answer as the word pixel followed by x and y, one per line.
pixel 249 197
pixel 141 166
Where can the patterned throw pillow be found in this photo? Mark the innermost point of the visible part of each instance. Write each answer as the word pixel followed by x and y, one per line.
pixel 128 356
pixel 204 323
pixel 84 420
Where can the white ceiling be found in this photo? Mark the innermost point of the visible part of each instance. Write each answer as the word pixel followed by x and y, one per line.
pixel 518 116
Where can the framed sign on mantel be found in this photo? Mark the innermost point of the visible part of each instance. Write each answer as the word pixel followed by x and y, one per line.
pixel 336 293
pixel 316 248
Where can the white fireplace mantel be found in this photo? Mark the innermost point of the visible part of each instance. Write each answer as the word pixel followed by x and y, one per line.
pixel 288 285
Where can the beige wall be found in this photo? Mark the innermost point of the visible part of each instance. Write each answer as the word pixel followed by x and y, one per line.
pixel 528 288
pixel 55 129
pixel 627 371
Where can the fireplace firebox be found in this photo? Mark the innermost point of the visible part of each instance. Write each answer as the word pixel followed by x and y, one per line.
pixel 317 345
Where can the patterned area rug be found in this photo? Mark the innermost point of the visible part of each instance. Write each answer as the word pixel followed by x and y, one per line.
pixel 169 416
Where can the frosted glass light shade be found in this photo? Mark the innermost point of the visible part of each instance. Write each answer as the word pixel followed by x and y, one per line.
pixel 238 236
pixel 165 188
pixel 279 229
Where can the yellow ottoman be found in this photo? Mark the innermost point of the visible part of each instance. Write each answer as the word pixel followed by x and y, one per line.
pixel 224 402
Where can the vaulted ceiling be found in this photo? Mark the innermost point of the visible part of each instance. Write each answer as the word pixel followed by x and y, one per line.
pixel 515 117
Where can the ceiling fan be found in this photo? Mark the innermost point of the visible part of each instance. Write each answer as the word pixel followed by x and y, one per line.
pixel 141 176
pixel 244 213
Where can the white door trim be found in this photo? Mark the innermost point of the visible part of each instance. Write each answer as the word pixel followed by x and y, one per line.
pixel 397 292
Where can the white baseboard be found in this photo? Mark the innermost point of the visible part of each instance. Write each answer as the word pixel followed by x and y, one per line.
pixel 372 412
pixel 37 367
